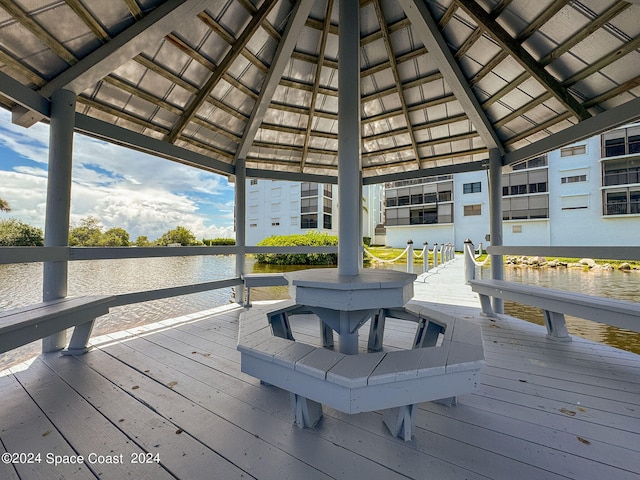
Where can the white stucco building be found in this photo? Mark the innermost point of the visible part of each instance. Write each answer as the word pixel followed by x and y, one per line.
pixel 587 193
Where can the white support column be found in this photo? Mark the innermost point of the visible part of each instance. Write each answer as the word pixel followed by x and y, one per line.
pixel 56 230
pixel 240 217
pixel 495 209
pixel 349 162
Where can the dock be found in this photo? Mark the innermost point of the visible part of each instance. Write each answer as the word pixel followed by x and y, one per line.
pixel 169 401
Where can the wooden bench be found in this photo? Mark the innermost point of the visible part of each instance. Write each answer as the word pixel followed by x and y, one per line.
pixel 556 303
pixel 262 280
pixel 27 324
pixel 394 381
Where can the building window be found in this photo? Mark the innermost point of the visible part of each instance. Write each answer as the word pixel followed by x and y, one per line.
pixel 571 151
pixel 327 205
pixel 533 163
pixel 471 210
pixel 621 172
pixel 422 216
pixel 309 221
pixel 326 221
pixel 624 141
pixel 574 202
pixel 622 201
pixel 253 225
pixel 294 221
pixel 253 181
pixel 525 207
pixel 275 222
pixel 475 187
pixel 574 179
pixel 309 205
pixel 391 201
pixel 404 200
pixel 308 189
pixel 328 190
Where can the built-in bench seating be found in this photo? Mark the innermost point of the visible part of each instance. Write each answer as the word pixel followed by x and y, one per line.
pixel 252 280
pixel 34 322
pixel 556 303
pixel 393 381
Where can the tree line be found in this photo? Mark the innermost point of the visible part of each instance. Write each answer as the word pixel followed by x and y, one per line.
pixel 89 233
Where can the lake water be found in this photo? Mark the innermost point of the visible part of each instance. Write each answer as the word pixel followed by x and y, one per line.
pixel 21 284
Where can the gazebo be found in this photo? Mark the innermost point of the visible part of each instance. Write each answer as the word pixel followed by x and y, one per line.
pixel 277 89
pixel 352 92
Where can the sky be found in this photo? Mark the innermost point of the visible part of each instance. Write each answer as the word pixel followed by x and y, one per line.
pixel 123 188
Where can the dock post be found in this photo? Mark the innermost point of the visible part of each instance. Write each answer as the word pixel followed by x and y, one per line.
pixel 469 266
pixel 425 257
pixel 435 254
pixel 409 256
pixel 56 230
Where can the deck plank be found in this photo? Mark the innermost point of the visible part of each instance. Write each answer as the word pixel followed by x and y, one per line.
pixel 24 428
pixel 276 402
pixel 276 436
pixel 85 428
pixel 525 420
pixel 180 453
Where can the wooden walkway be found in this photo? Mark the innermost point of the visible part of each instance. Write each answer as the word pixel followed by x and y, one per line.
pixel 174 392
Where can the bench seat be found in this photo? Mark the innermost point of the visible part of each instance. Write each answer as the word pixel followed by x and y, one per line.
pixel 34 322
pixel 557 303
pixel 363 382
pixel 252 280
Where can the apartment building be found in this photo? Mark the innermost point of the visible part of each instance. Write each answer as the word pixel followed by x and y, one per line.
pixel 587 193
pixel 276 207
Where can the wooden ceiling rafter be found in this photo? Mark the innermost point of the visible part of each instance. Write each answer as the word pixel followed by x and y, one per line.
pixel 316 85
pixel 219 72
pixel 396 77
pixel 524 58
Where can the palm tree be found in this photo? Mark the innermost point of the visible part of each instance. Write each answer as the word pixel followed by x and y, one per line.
pixel 4 206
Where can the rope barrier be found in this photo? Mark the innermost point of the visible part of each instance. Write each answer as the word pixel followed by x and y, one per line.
pixel 380 260
pixel 473 256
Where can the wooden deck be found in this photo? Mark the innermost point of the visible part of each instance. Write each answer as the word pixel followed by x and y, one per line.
pixel 175 390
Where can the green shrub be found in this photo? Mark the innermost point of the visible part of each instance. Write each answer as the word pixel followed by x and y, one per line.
pixel 219 241
pixel 366 241
pixel 316 239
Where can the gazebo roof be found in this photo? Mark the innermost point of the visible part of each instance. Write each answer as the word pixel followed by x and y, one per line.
pixel 206 82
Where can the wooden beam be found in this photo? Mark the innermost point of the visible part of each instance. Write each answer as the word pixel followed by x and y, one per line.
pixel 316 83
pixel 396 77
pixel 612 118
pixel 297 19
pixel 524 58
pixel 220 70
pixel 432 38
pixel 150 29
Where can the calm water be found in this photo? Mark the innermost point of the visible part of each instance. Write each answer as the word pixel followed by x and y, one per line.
pixel 21 285
pixel 612 284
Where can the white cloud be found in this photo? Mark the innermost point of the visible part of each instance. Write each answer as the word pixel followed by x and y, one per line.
pixel 122 188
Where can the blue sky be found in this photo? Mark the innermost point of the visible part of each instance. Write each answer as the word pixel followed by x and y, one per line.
pixel 122 188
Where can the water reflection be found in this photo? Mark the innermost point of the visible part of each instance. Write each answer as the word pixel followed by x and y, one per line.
pixel 604 283
pixel 21 284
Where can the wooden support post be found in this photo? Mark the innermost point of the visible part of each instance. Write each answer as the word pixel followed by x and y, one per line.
pixel 427 334
pixel 326 334
pixel 80 339
pixel 376 332
pixel 306 413
pixel 401 421
pixel 556 326
pixel 280 326
pixel 56 230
